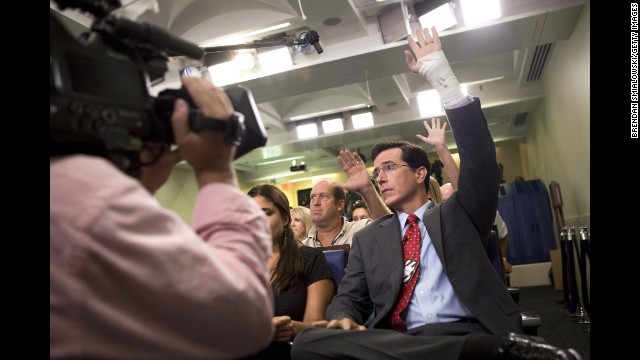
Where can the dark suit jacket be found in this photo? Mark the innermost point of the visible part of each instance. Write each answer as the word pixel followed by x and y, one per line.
pixel 458 228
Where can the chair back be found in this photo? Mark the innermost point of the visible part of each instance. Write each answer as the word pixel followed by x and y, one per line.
pixel 345 247
pixel 337 260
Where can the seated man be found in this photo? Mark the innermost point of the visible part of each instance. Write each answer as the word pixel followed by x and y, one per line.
pixel 328 199
pixel 459 309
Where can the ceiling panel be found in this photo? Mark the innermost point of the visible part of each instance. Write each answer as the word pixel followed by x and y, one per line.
pixel 357 69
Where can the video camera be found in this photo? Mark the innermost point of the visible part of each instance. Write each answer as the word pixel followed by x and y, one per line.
pixel 99 88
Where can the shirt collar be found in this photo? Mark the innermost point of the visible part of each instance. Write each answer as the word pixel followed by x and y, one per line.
pixel 402 217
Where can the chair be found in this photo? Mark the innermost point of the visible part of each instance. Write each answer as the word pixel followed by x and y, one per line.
pixel 345 247
pixel 337 260
pixel 530 319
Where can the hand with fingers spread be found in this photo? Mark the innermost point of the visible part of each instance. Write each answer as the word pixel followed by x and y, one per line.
pixel 429 61
pixel 359 181
pixel 426 45
pixel 437 139
pixel 353 166
pixel 436 133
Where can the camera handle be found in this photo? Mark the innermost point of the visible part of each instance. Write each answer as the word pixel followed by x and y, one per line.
pixel 232 128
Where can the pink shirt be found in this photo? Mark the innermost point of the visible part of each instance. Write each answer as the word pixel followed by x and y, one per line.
pixel 130 280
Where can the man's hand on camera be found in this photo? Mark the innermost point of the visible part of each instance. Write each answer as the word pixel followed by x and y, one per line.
pixel 206 151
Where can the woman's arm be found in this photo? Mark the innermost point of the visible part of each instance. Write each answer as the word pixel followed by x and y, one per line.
pixel 319 295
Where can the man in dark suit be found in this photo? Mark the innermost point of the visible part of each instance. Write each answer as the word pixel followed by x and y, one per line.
pixel 459 308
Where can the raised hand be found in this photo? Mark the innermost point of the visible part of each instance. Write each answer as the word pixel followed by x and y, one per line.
pixel 353 166
pixel 427 43
pixel 436 138
pixel 359 180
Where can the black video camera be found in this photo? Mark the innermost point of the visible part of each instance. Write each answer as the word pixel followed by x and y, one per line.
pixel 99 88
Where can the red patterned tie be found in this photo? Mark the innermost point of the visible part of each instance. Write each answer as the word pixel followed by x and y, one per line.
pixel 411 252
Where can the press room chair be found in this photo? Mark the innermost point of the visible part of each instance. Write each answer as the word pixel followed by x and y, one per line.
pixel 337 257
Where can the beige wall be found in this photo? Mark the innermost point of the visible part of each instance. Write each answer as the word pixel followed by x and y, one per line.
pixel 179 193
pixel 510 154
pixel 556 147
pixel 558 136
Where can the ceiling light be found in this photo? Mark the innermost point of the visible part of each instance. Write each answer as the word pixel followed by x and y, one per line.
pixel 224 73
pixel 327 112
pixel 429 103
pixel 479 11
pixel 441 17
pixel 267 29
pixel 332 125
pixel 242 38
pixel 362 120
pixel 484 81
pixel 281 160
pixel 245 60
pixel 275 60
pixel 465 89
pixel 306 131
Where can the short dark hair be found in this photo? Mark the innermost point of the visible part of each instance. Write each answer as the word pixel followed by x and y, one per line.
pixel 412 154
pixel 338 193
pixel 359 204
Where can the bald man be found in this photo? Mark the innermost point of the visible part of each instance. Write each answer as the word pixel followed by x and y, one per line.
pixel 446 190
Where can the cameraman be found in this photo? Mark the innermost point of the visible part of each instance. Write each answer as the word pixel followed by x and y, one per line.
pixel 128 279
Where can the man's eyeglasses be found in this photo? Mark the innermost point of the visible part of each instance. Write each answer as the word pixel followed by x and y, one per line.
pixel 324 197
pixel 386 168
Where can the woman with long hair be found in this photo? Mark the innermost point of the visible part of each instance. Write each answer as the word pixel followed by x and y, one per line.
pixel 301 281
pixel 301 222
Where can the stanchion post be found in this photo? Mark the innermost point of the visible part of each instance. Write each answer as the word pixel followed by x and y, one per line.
pixel 569 272
pixel 585 267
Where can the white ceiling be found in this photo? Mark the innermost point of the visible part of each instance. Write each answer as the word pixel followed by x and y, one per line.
pixel 504 59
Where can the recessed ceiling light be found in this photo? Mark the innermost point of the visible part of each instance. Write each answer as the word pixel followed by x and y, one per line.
pixel 362 120
pixel 332 125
